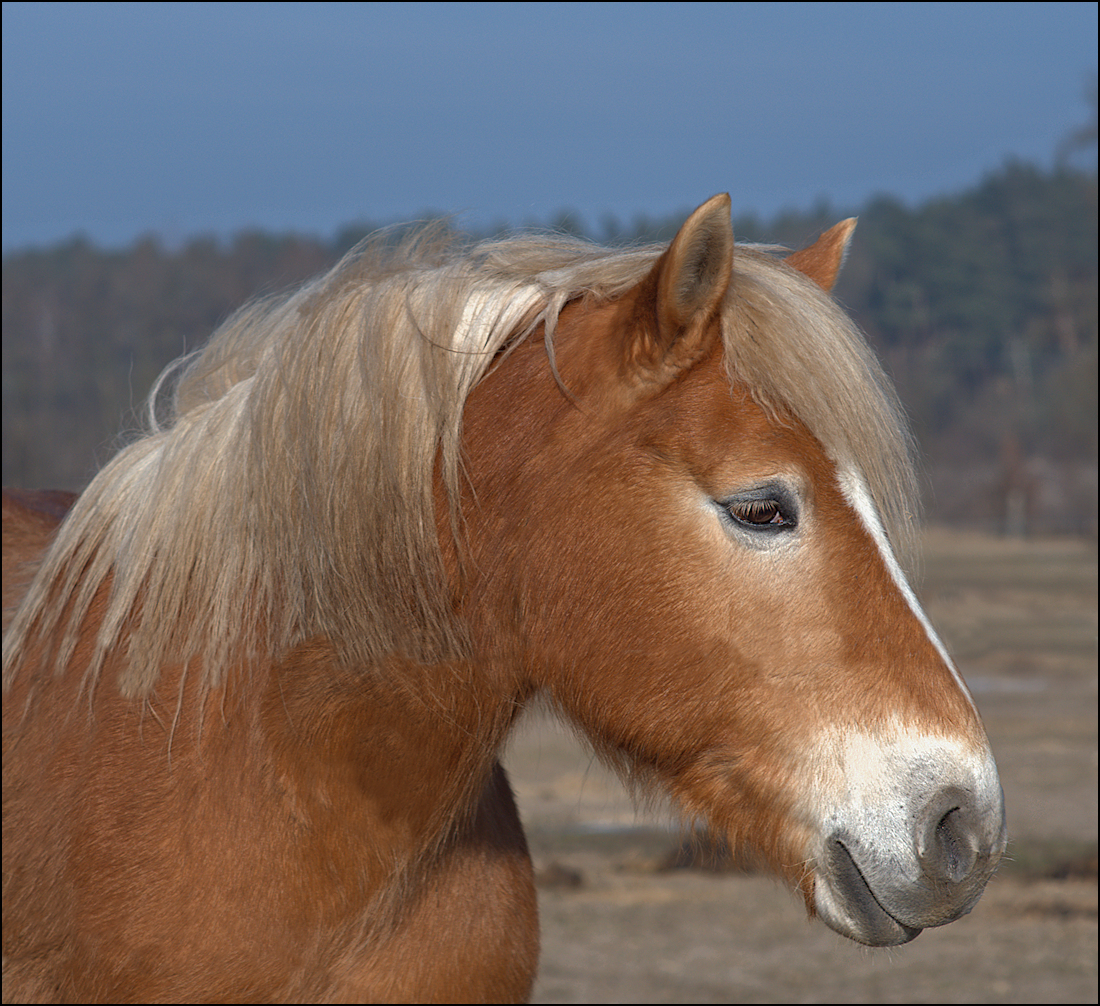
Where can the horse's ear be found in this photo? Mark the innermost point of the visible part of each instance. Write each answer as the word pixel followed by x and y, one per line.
pixel 823 259
pixel 688 282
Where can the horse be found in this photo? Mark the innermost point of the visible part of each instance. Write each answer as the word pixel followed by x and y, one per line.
pixel 258 679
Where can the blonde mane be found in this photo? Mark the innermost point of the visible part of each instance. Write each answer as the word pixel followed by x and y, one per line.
pixel 288 494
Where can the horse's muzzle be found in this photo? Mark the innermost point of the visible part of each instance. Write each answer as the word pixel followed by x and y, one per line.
pixel 883 887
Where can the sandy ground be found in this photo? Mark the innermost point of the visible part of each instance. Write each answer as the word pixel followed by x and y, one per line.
pixel 1020 616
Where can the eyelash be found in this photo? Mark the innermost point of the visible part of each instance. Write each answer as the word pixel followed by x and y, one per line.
pixel 768 509
pixel 760 513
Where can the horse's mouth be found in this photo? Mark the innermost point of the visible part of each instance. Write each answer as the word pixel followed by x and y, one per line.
pixel 846 903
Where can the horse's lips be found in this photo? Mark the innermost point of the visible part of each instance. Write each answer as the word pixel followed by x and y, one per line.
pixel 859 916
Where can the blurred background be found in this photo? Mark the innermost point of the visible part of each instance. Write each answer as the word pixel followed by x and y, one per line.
pixel 163 163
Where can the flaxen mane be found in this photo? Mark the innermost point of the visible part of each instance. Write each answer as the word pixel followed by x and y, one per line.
pixel 289 493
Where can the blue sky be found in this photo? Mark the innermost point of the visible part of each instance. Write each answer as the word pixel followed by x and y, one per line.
pixel 182 119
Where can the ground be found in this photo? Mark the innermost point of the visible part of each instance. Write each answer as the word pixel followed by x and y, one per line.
pixel 618 926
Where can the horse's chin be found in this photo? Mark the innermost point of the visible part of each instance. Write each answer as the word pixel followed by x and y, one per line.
pixel 845 902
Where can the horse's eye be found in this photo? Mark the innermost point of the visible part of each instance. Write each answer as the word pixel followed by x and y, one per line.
pixel 761 513
pixel 758 512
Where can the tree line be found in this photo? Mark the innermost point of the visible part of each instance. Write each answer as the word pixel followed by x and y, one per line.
pixel 983 306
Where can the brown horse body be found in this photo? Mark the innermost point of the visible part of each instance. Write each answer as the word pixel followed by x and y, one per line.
pixel 698 581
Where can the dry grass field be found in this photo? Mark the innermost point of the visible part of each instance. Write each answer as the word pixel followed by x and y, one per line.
pixel 618 926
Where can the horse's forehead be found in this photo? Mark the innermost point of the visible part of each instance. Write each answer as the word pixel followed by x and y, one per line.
pixel 707 418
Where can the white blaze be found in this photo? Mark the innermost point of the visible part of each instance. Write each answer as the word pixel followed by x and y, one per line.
pixel 856 493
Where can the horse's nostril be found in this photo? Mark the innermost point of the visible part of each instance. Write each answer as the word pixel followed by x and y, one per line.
pixel 955 846
pixel 947 841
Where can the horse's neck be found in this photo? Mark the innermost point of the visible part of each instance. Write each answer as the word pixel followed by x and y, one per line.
pixel 405 749
pixel 398 753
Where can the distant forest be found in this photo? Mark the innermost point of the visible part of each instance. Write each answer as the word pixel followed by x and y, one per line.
pixel 983 307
